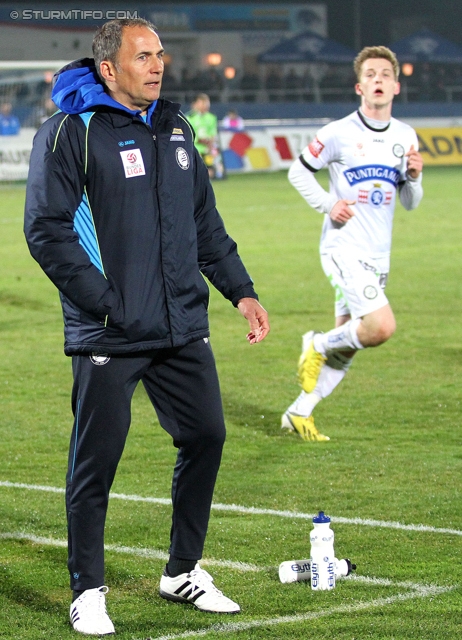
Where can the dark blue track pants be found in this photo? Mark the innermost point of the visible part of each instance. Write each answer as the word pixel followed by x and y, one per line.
pixel 182 384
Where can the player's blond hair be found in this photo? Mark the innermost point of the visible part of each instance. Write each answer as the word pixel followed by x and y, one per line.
pixel 375 52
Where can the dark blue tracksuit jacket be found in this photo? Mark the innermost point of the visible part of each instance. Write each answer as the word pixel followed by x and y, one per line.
pixel 121 216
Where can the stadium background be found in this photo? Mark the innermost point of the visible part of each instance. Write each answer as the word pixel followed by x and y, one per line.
pixel 276 63
pixel 241 34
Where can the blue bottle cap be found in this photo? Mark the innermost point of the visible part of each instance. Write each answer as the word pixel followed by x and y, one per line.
pixel 321 518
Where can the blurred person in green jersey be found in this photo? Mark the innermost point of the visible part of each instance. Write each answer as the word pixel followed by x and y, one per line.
pixel 205 125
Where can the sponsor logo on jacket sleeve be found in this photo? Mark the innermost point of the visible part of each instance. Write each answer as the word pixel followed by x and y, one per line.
pixel 133 163
pixel 177 135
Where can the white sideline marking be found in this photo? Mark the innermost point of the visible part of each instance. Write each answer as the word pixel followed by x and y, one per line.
pixel 136 551
pixel 418 591
pixel 254 510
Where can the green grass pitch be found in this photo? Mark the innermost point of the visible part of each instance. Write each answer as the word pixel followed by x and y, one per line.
pixel 390 477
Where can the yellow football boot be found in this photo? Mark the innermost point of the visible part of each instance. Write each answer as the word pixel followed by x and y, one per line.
pixel 309 364
pixel 303 426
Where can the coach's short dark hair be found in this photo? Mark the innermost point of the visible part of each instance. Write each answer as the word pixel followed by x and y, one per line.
pixel 108 39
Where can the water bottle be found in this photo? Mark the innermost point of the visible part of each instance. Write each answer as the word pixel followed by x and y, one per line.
pixel 300 570
pixel 294 571
pixel 322 558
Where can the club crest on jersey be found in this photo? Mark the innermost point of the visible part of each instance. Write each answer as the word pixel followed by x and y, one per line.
pixel 133 163
pixel 182 158
pixel 99 359
pixel 376 196
pixel 398 150
pixel 371 172
pixel 315 147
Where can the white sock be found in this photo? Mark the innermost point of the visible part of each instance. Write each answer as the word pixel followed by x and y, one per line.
pixel 304 404
pixel 339 339
pixel 332 374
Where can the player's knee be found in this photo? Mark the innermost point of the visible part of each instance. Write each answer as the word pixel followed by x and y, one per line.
pixel 382 332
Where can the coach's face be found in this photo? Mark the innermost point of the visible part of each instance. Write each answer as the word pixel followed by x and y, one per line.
pixel 136 79
pixel 377 85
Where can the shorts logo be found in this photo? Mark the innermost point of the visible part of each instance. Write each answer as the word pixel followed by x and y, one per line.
pixel 398 150
pixel 315 147
pixel 370 292
pixel 133 163
pixel 99 359
pixel 182 158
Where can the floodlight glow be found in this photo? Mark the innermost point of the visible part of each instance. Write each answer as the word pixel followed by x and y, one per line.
pixel 407 68
pixel 213 59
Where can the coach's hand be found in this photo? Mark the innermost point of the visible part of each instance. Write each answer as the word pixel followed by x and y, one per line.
pixel 414 163
pixel 341 211
pixel 257 317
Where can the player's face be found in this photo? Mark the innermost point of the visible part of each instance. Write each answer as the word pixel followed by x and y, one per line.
pixel 136 79
pixel 377 85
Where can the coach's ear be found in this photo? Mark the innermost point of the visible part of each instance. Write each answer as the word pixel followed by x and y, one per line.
pixel 108 71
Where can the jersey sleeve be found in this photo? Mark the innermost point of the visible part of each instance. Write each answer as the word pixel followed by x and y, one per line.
pixel 321 150
pixel 410 190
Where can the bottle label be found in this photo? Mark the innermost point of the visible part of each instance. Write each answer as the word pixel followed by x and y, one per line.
pixel 300 568
pixel 331 575
pixel 314 575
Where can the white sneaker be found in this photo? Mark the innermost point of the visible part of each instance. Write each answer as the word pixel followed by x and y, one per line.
pixel 88 613
pixel 198 589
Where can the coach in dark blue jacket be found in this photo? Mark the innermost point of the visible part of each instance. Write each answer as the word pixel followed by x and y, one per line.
pixel 121 216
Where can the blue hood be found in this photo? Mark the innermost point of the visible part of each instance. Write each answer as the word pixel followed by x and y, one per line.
pixel 77 88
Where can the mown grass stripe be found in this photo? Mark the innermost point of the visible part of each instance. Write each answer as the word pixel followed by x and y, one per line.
pixel 366 522
pixel 155 554
pixel 423 591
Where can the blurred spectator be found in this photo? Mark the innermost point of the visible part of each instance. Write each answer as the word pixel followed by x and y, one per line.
pixel 187 80
pixel 273 81
pixel 292 81
pixel 45 111
pixel 9 123
pixel 233 121
pixel 307 84
pixel 169 82
pixel 249 83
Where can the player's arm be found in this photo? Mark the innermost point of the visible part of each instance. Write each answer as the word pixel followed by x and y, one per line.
pixel 301 176
pixel 410 191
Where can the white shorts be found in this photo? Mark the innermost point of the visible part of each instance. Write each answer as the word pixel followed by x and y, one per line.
pixel 358 281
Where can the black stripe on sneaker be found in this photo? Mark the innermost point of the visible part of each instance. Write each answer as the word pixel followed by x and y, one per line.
pixel 197 595
pixel 183 586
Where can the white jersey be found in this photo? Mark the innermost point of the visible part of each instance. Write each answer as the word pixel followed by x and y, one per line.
pixel 365 165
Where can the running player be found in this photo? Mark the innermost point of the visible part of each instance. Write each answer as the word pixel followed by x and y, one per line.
pixel 371 157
